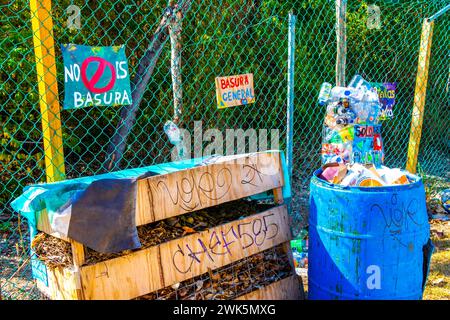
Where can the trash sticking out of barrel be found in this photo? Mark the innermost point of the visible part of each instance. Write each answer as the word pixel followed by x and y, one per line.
pixel 369 236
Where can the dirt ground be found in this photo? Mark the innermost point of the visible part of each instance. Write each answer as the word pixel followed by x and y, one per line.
pixel 438 284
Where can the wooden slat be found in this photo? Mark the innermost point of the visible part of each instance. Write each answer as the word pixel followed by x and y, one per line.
pixel 229 178
pixel 278 195
pixel 420 94
pixel 285 289
pixel 154 268
pixel 62 285
pixel 191 256
pixel 125 277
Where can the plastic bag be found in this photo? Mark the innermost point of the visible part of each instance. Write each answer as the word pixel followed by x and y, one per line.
pixel 352 133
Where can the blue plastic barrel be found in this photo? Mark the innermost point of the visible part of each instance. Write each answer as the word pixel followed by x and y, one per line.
pixel 367 242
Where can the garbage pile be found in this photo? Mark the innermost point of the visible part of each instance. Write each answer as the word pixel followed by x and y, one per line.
pixel 352 128
pixel 352 146
pixel 350 175
pixel 300 250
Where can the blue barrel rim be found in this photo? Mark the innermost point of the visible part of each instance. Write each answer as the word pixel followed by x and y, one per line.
pixel 323 183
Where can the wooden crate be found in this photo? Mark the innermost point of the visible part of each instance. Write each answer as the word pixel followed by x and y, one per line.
pixel 163 196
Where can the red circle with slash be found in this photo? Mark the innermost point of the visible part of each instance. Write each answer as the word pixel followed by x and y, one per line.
pixel 102 64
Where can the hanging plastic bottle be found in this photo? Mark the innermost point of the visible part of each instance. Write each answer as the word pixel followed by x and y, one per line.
pixel 351 94
pixel 360 83
pixel 325 93
pixel 173 132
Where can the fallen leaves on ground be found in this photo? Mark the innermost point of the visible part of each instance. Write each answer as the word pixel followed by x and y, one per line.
pixel 438 283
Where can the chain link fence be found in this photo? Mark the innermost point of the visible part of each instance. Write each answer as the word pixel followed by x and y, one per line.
pixel 218 38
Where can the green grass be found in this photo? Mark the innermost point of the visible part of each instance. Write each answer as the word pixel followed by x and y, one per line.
pixel 5 226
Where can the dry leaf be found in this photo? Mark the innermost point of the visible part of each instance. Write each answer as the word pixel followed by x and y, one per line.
pixel 171 221
pixel 183 292
pixel 438 282
pixel 188 230
pixel 190 220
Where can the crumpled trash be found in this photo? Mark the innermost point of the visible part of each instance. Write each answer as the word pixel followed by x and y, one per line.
pixel 363 175
pixel 445 198
pixel 175 137
pixel 300 253
pixel 300 250
pixel 441 217
pixel 334 172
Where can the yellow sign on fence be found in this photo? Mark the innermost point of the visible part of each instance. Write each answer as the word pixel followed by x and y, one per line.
pixel 235 90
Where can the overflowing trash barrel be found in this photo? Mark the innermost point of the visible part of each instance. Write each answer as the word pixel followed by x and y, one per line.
pixel 367 242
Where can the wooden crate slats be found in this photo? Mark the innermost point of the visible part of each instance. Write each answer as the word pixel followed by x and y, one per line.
pixel 221 180
pixel 285 289
pixel 62 285
pixel 125 277
pixel 154 268
pixel 43 224
pixel 228 179
pixel 193 255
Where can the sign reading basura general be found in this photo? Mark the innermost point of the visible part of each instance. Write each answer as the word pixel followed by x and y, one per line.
pixel 235 90
pixel 95 76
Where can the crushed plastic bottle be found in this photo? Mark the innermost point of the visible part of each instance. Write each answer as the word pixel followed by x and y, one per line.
pixel 360 83
pixel 173 132
pixel 325 93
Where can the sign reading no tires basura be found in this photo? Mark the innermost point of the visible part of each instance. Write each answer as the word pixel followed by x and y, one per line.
pixel 95 76
pixel 235 90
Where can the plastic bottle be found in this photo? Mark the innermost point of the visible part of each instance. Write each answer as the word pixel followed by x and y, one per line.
pixel 297 245
pixel 359 82
pixel 325 93
pixel 173 133
pixel 377 158
pixel 356 157
pixel 352 94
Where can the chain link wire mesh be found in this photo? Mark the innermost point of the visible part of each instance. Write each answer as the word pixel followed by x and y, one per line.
pixel 218 38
